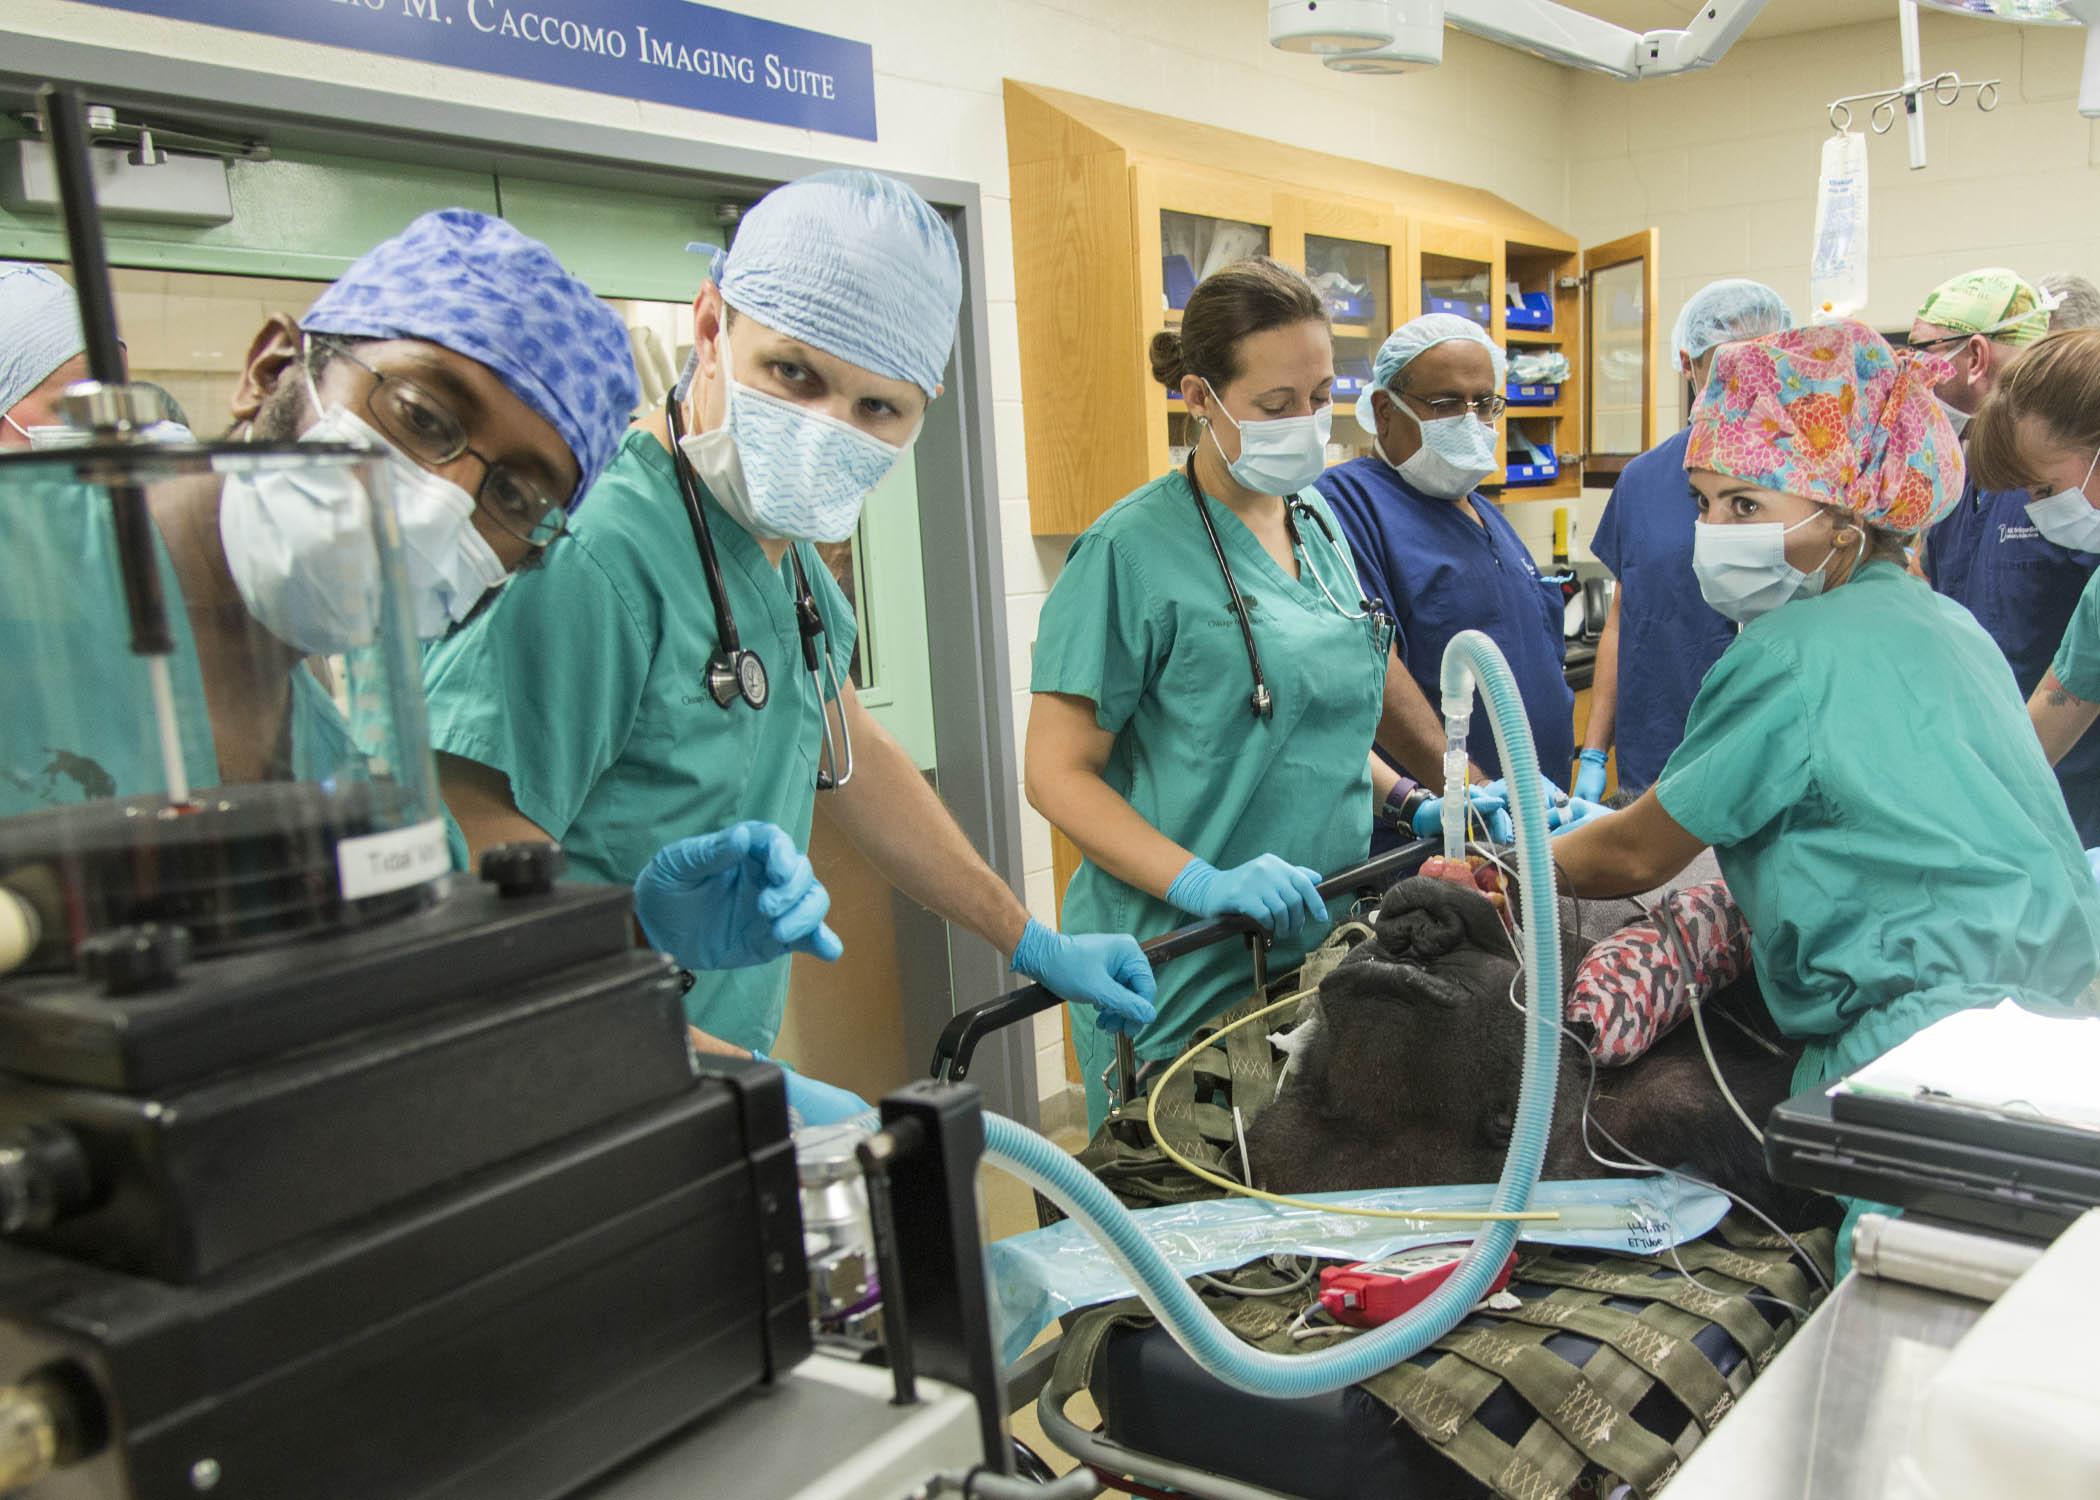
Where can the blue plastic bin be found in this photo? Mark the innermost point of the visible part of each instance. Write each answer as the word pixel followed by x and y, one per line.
pixel 1479 312
pixel 1348 309
pixel 1531 395
pixel 1537 312
pixel 1180 279
pixel 1544 471
pixel 1350 380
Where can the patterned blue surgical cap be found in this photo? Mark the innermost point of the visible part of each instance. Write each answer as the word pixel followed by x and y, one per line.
pixel 473 284
pixel 853 263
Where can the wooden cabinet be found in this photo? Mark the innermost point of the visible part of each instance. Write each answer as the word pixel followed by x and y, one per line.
pixel 1118 213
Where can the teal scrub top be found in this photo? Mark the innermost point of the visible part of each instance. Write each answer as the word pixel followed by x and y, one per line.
pixel 66 748
pixel 2077 663
pixel 585 684
pixel 1138 624
pixel 1862 765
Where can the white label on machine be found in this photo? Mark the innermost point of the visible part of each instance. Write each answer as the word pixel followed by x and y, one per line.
pixel 401 857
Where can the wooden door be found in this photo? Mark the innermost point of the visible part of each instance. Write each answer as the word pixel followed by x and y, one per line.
pixel 1620 292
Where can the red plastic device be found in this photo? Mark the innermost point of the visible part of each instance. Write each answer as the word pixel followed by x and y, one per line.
pixel 1377 1291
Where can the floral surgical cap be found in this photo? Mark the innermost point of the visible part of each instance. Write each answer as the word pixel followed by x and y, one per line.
pixel 1835 415
pixel 853 263
pixel 473 284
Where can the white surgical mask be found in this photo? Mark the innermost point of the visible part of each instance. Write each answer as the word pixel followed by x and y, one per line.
pixel 1278 455
pixel 449 563
pixel 300 548
pixel 2067 517
pixel 1456 454
pixel 1743 572
pixel 1955 415
pixel 786 471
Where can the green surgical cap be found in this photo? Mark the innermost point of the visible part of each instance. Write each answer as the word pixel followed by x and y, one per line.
pixel 1998 303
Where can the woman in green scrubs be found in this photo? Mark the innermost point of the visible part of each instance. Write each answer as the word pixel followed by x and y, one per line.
pixel 1146 744
pixel 1844 749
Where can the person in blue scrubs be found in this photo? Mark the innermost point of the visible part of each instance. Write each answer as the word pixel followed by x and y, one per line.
pixel 1659 626
pixel 583 708
pixel 1988 554
pixel 1438 553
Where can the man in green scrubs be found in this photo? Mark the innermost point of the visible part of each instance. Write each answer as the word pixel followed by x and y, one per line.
pixel 580 707
pixel 430 350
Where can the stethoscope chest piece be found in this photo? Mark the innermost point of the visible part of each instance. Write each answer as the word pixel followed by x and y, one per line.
pixel 738 674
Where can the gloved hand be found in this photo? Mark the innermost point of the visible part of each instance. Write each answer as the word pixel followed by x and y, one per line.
pixel 1576 813
pixel 730 899
pixel 2092 860
pixel 1107 970
pixel 1589 775
pixel 1489 804
pixel 811 1101
pixel 1279 895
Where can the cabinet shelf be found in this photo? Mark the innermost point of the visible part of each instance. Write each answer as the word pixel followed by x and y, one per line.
pixel 1549 336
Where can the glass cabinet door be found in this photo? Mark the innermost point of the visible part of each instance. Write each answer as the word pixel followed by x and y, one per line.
pixel 1355 280
pixel 1191 246
pixel 1619 317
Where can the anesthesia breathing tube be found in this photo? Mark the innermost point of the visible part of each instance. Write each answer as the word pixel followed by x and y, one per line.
pixel 1470 659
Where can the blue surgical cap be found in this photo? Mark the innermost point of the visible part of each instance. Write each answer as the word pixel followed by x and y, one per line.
pixel 39 328
pixel 1411 340
pixel 1727 312
pixel 472 284
pixel 855 264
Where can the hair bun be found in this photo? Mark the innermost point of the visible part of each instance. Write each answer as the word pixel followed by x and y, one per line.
pixel 1168 367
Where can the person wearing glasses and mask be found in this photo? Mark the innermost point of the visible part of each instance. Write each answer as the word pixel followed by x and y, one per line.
pixel 2020 573
pixel 429 349
pixel 678 666
pixel 1438 551
pixel 1210 673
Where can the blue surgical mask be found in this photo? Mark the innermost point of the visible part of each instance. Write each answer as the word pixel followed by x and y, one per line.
pixel 1279 455
pixel 2067 517
pixel 1456 454
pixel 786 471
pixel 1743 572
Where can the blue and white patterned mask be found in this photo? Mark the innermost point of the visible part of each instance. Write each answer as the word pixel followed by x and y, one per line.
pixel 787 471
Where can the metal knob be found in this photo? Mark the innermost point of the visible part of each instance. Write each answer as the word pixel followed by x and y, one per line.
pixel 524 869
pixel 132 960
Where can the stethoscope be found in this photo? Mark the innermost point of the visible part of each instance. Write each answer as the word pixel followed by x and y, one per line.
pixel 735 670
pixel 1261 701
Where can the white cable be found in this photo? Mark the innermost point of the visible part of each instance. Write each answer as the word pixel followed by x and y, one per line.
pixel 1713 1067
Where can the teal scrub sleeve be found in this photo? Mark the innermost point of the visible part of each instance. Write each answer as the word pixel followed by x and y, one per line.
pixel 841 625
pixel 1744 760
pixel 1099 637
pixel 545 686
pixel 2077 664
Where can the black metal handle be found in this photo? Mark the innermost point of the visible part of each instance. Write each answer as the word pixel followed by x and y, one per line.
pixel 959 1039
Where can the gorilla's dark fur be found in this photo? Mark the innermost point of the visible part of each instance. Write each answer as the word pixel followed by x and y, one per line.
pixel 1411 1072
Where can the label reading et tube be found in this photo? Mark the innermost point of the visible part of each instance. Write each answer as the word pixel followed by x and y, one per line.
pixel 377 863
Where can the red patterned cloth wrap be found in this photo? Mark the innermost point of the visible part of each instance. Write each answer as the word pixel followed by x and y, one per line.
pixel 1633 987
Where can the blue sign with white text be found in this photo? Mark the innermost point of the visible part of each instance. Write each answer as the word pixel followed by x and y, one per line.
pixel 668 51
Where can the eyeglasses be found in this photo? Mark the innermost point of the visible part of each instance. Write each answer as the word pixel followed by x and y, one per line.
pixel 1487 408
pixel 1947 338
pixel 429 432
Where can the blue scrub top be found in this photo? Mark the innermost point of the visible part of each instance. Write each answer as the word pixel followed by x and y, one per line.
pixel 1668 634
pixel 1440 574
pixel 2022 588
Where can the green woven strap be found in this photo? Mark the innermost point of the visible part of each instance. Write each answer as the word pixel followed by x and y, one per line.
pixel 1439 1403
pixel 1668 1355
pixel 1632 1279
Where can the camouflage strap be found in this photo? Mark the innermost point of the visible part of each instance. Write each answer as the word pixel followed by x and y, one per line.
pixel 1581 1423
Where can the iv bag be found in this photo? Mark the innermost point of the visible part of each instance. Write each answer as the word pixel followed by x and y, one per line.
pixel 1837 275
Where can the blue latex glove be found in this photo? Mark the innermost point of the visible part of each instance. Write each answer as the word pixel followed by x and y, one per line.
pixel 1107 970
pixel 1576 813
pixel 735 898
pixel 2092 860
pixel 1589 775
pixel 811 1101
pixel 1489 803
pixel 1279 895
